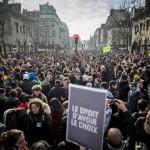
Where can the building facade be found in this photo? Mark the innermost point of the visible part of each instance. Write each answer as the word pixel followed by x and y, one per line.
pixel 15 29
pixel 49 32
pixel 141 28
pixel 118 28
pixel 31 30
pixel 116 32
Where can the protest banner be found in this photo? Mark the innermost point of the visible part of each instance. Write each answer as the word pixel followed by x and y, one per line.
pixel 106 49
pixel 85 124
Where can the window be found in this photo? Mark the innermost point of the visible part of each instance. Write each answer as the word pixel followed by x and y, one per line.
pixel 17 25
pixel 135 31
pixel 147 25
pixel 141 27
pixel 29 31
pixel 144 27
pixel 23 29
pixel 20 29
pixel 53 33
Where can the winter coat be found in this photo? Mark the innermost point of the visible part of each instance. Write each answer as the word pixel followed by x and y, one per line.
pixel 137 115
pixel 26 86
pixel 11 102
pixel 107 146
pixel 123 89
pixel 62 135
pixel 113 91
pixel 123 121
pixel 2 102
pixel 140 134
pixel 57 92
pixel 38 127
pixel 46 86
pixel 133 100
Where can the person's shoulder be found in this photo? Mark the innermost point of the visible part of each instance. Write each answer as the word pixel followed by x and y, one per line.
pixel 43 95
pixel 140 121
pixel 53 88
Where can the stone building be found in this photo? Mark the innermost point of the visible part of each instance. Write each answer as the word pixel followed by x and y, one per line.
pixel 31 30
pixel 15 29
pixel 97 34
pixel 103 35
pixel 49 32
pixel 116 32
pixel 118 28
pixel 141 28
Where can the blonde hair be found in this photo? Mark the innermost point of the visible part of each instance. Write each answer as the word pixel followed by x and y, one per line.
pixel 36 88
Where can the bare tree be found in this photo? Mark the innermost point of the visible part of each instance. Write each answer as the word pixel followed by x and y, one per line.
pixel 2 23
pixel 125 23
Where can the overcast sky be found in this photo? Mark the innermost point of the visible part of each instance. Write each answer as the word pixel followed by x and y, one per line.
pixel 81 16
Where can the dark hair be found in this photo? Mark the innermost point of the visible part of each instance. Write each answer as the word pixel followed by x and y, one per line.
pixel 40 145
pixel 124 77
pixel 57 82
pixel 112 82
pixel 104 85
pixel 142 104
pixel 62 146
pixel 26 98
pixel 19 91
pixel 8 88
pixel 2 90
pixel 13 93
pixel 66 75
pixel 56 108
pixel 10 138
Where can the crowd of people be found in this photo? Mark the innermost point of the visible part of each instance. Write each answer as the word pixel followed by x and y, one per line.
pixel 34 99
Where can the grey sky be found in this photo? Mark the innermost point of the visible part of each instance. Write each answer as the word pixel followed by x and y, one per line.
pixel 81 16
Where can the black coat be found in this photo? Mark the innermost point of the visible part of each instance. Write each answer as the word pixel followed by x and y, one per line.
pixel 106 146
pixel 105 77
pixel 42 97
pixel 123 121
pixel 133 100
pixel 2 102
pixel 56 92
pixel 62 135
pixel 46 88
pixel 26 86
pixel 140 134
pixel 11 102
pixel 123 89
pixel 38 127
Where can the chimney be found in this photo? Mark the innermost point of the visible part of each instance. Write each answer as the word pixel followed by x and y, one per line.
pixel 147 5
